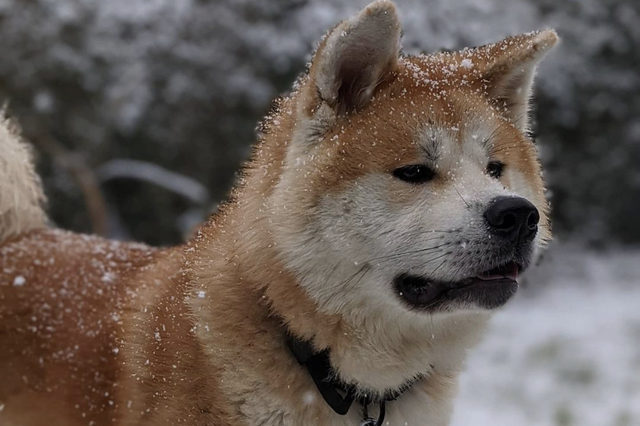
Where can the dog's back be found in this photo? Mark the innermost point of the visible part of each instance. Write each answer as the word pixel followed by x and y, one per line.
pixel 61 305
pixel 96 332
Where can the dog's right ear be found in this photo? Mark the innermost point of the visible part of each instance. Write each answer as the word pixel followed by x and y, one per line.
pixel 356 56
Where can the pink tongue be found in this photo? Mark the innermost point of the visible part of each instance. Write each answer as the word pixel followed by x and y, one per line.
pixel 511 272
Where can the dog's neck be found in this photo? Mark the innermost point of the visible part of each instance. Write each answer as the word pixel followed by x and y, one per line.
pixel 380 357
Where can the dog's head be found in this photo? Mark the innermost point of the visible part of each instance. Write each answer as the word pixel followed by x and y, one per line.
pixel 410 182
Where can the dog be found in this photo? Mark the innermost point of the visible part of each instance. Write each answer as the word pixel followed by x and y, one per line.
pixel 389 206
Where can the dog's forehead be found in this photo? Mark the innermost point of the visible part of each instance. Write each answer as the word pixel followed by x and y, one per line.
pixel 431 110
pixel 431 104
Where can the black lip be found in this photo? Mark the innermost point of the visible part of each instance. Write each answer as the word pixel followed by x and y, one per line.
pixel 485 294
pixel 423 294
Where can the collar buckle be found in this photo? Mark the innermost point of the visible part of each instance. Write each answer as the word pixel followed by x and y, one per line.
pixel 368 421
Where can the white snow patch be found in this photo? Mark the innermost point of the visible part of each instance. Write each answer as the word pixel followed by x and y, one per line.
pixel 19 281
pixel 308 398
pixel 108 277
pixel 466 63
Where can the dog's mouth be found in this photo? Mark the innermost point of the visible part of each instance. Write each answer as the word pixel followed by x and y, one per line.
pixel 489 289
pixel 510 270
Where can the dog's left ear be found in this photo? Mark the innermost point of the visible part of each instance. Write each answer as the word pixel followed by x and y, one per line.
pixel 508 68
pixel 356 56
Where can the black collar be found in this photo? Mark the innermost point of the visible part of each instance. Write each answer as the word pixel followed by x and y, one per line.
pixel 339 395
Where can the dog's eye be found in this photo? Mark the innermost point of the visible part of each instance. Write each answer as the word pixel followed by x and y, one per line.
pixel 414 174
pixel 495 168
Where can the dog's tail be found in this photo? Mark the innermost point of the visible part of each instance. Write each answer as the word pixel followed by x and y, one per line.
pixel 21 195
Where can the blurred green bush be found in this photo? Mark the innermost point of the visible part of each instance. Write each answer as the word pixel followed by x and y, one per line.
pixel 181 85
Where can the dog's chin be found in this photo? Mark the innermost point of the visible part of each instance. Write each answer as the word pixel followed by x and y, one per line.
pixel 488 290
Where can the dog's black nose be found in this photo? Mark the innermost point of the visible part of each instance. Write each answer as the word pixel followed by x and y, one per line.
pixel 513 218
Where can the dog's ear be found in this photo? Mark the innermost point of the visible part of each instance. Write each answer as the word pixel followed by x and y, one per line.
pixel 507 71
pixel 356 56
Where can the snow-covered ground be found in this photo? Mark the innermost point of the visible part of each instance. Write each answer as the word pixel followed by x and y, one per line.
pixel 564 352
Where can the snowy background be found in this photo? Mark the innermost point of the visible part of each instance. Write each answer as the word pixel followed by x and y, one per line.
pixel 565 351
pixel 178 87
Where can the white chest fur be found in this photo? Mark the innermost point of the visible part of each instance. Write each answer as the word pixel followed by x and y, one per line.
pixel 416 407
